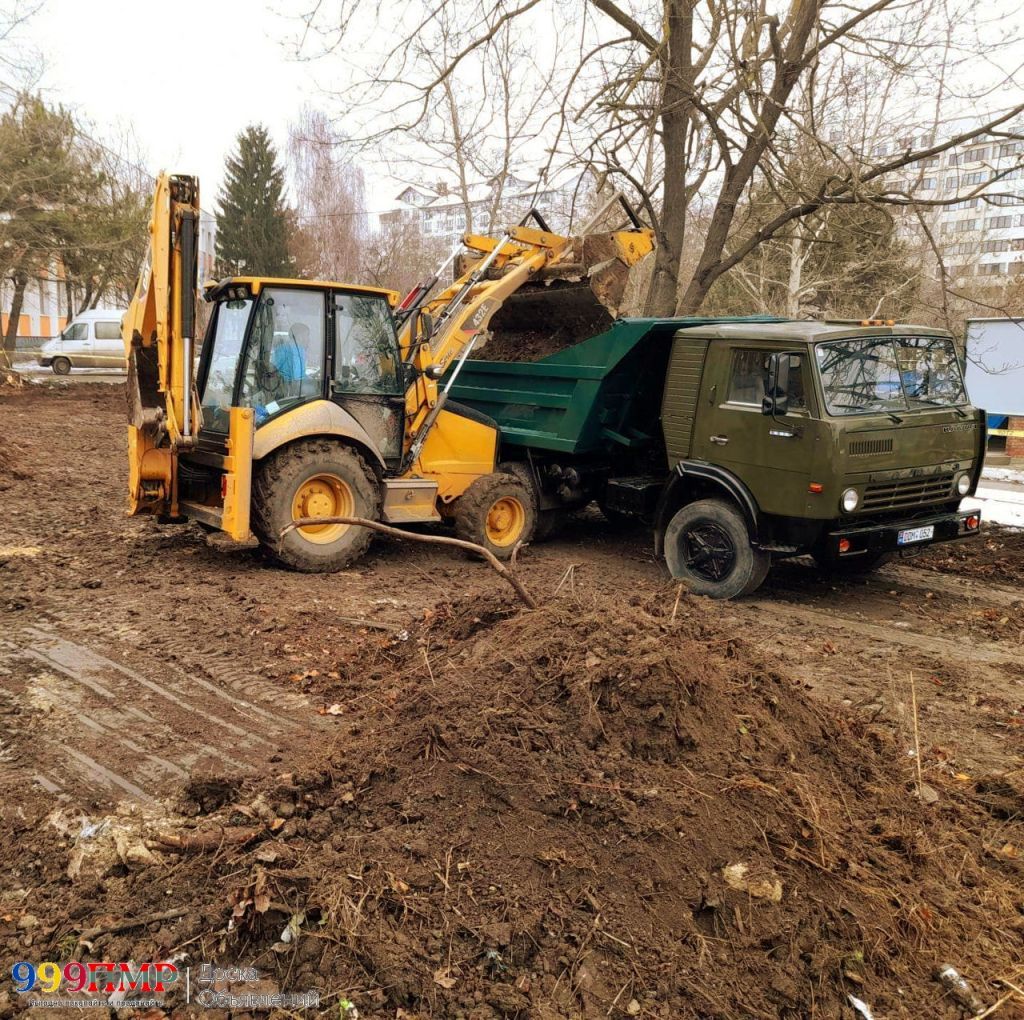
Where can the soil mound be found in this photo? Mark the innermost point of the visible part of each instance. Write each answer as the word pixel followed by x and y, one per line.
pixel 597 809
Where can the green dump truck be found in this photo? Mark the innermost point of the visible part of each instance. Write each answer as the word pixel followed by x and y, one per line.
pixel 738 441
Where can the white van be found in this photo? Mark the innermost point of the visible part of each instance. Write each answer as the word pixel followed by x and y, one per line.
pixel 90 340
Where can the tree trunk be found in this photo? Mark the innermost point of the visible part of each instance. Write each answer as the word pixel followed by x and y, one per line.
pixel 20 278
pixel 796 269
pixel 678 76
pixel 802 18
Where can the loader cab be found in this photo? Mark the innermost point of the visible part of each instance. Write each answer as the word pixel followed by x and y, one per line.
pixel 273 345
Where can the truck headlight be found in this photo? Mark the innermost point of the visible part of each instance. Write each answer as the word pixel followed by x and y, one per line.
pixel 850 500
pixel 963 484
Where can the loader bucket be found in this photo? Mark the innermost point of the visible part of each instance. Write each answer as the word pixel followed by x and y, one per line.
pixel 604 278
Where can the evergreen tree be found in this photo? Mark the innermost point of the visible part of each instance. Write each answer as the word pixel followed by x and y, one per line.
pixel 252 218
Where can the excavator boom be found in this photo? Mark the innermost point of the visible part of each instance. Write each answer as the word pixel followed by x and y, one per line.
pixel 158 333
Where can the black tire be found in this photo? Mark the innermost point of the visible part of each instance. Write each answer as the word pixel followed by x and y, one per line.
pixel 707 547
pixel 327 479
pixel 497 511
pixel 852 566
pixel 61 366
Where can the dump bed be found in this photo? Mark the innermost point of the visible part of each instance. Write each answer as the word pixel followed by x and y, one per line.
pixel 604 390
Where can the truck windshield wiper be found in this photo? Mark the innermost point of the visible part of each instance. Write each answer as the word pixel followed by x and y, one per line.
pixel 934 402
pixel 869 407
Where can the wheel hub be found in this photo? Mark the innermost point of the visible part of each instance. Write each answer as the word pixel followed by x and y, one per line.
pixel 323 495
pixel 708 551
pixel 505 521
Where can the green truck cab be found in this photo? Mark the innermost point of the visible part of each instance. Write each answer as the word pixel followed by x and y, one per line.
pixel 746 440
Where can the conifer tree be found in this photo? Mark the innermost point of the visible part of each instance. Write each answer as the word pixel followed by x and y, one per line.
pixel 252 218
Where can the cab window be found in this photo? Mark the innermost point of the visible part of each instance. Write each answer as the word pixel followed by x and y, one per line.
pixel 285 354
pixel 365 345
pixel 77 331
pixel 748 380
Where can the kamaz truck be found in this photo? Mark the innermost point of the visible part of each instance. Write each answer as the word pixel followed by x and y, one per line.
pixel 741 441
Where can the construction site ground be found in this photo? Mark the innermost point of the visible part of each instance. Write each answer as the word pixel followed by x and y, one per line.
pixel 629 803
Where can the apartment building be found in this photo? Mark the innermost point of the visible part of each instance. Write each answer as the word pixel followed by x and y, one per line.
pixel 981 235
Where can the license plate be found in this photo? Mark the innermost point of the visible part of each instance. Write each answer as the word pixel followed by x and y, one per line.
pixel 911 535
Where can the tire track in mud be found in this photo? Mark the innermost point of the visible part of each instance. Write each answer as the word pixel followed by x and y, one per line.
pixel 81 725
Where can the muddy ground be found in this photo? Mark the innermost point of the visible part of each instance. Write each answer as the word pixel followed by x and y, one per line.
pixel 464 810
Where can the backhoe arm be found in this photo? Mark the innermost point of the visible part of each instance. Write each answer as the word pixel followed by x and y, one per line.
pixel 159 334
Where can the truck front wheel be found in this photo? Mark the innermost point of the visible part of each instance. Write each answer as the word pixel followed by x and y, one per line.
pixel 707 547
pixel 314 478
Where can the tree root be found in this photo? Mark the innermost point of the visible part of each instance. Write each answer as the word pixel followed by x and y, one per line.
pixel 458 543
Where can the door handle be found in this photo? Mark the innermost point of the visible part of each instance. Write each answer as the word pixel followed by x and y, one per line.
pixel 720 440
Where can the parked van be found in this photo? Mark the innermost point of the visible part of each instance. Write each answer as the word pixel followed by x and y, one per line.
pixel 90 340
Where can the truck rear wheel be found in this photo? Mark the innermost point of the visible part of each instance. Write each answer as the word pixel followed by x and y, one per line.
pixel 707 547
pixel 314 478
pixel 497 511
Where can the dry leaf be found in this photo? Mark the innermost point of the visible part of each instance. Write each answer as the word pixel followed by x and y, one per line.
pixel 443 978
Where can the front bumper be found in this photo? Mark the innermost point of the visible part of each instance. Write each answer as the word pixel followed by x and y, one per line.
pixel 849 543
pixel 46 360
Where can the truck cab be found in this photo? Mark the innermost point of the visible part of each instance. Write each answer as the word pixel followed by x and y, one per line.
pixel 852 442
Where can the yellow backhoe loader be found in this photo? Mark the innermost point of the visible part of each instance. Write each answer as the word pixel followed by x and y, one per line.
pixel 318 399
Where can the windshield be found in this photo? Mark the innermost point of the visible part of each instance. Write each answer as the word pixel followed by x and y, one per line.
pixel 903 373
pixel 229 321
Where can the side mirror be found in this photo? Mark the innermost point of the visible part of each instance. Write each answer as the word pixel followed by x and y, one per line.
pixel 776 398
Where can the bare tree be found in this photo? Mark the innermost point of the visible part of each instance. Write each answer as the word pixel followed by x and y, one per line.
pixel 16 59
pixel 331 226
pixel 694 103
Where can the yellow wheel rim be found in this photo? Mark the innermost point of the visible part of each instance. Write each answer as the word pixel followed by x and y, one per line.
pixel 505 521
pixel 323 495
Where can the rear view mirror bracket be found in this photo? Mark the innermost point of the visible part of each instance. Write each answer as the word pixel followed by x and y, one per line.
pixel 776 398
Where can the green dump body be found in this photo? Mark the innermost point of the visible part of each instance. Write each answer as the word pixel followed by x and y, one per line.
pixel 605 390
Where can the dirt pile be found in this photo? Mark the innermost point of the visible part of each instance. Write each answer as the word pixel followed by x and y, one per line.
pixel 997 556
pixel 590 810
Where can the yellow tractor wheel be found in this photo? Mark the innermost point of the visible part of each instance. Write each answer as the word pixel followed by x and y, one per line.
pixel 314 478
pixel 497 511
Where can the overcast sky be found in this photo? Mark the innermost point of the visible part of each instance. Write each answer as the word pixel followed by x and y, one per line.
pixel 186 77
pixel 185 92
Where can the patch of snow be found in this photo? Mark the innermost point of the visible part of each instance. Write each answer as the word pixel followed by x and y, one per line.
pixel 1003 474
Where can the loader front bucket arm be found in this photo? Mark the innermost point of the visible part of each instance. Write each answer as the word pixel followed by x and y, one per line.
pixel 497 272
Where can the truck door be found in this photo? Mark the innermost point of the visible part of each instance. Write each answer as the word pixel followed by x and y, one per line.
pixel 77 344
pixel 770 455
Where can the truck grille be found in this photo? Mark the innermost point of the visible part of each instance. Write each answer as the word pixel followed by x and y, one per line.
pixel 866 447
pixel 906 492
